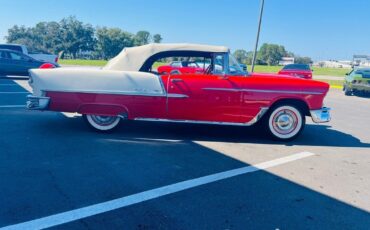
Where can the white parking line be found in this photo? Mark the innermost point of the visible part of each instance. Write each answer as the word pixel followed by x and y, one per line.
pixel 12 106
pixel 24 84
pixel 155 139
pixel 76 214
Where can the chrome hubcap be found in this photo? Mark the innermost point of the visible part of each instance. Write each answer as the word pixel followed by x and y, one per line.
pixel 104 120
pixel 285 122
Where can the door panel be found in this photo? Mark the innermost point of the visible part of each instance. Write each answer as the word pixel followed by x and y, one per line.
pixel 204 98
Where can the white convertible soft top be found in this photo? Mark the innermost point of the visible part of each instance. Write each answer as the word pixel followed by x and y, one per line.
pixel 132 59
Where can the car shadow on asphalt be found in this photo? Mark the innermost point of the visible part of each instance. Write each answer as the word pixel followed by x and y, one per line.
pixel 61 166
pixel 313 134
pixel 362 95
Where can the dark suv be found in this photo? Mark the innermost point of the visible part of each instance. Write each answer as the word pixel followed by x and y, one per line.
pixel 16 63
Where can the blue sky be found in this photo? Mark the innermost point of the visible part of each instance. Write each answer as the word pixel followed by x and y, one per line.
pixel 321 29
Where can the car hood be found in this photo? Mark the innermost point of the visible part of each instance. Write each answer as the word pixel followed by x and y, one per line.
pixel 287 82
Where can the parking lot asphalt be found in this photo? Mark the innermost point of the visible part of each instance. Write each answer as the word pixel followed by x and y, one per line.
pixel 53 164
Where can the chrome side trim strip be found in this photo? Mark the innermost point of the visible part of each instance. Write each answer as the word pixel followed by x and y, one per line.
pixel 252 122
pixel 264 91
pixel 128 93
pixel 282 91
pixel 176 95
pixel 222 89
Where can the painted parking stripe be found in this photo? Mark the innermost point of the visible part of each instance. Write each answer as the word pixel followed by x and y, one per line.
pixel 76 214
pixel 156 139
pixel 12 106
pixel 24 85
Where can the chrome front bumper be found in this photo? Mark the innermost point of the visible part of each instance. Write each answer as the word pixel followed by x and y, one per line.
pixel 37 103
pixel 321 115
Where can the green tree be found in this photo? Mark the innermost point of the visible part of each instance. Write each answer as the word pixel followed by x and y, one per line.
pixel 271 54
pixel 23 35
pixel 111 41
pixel 302 60
pixel 73 37
pixel 76 36
pixel 241 55
pixel 142 38
pixel 157 38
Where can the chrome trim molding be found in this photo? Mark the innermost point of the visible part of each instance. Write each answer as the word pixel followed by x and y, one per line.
pixel 222 89
pixel 321 115
pixel 176 95
pixel 126 93
pixel 37 103
pixel 282 91
pixel 252 122
pixel 264 91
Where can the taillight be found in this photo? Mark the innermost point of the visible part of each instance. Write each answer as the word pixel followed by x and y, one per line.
pixel 47 66
pixel 56 59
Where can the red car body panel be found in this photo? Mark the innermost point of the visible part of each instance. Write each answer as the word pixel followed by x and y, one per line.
pixel 235 99
pixel 307 74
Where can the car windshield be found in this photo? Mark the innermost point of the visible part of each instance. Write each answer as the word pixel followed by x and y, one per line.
pixel 297 66
pixel 363 72
pixel 234 66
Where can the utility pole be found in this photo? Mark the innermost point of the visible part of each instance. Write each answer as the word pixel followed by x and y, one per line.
pixel 258 35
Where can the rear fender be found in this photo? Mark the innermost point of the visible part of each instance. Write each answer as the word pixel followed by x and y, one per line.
pixel 103 109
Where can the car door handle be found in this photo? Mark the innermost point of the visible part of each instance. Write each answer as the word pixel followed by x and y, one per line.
pixel 174 80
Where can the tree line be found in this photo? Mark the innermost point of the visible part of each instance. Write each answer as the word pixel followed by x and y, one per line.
pixel 71 38
pixel 75 39
pixel 269 54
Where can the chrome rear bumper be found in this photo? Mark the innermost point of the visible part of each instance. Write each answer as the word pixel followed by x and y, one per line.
pixel 37 103
pixel 321 115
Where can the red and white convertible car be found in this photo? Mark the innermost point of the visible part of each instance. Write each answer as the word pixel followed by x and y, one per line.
pixel 127 88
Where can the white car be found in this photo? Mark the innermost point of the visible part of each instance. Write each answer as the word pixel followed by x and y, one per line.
pixel 45 57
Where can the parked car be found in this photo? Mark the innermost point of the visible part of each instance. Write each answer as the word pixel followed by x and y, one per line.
pixel 357 81
pixel 16 63
pixel 41 56
pixel 127 89
pixel 181 66
pixel 297 70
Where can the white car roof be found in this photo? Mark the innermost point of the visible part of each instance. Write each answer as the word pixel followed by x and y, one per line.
pixel 133 58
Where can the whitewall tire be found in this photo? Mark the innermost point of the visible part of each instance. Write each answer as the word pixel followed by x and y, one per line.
pixel 285 122
pixel 102 123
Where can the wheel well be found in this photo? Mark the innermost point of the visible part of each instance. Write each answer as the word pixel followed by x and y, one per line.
pixel 301 105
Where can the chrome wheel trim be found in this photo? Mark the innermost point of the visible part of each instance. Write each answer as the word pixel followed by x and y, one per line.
pixel 285 122
pixel 103 123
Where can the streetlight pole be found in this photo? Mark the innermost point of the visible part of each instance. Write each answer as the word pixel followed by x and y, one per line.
pixel 258 35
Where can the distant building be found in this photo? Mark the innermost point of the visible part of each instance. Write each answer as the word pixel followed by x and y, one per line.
pixel 286 61
pixel 334 64
pixel 361 60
